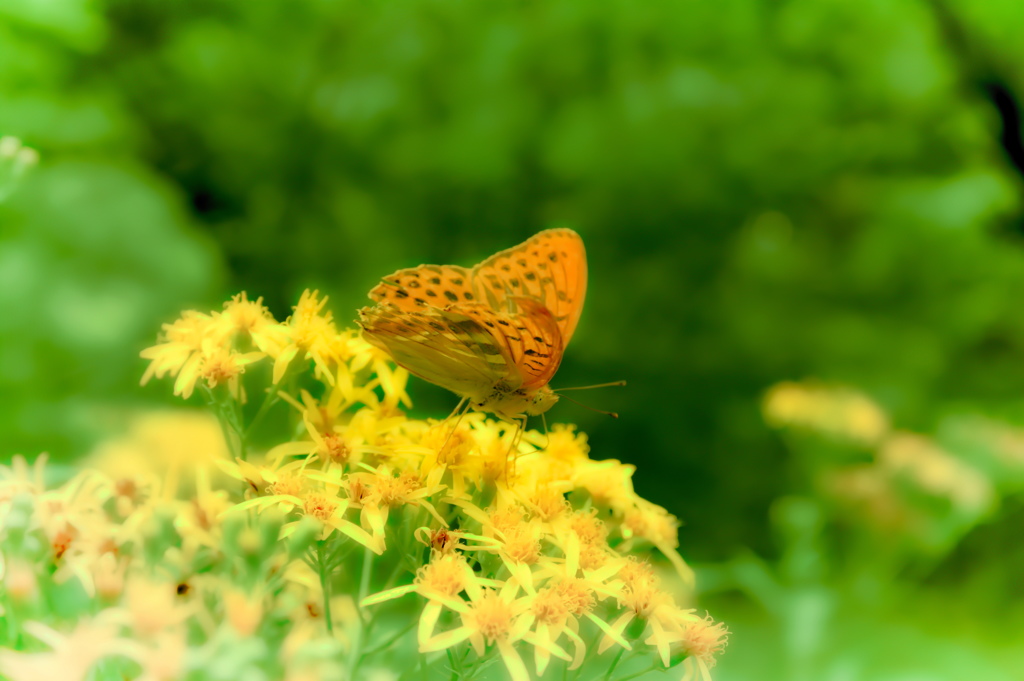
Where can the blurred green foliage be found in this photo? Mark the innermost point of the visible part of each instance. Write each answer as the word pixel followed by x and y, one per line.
pixel 767 190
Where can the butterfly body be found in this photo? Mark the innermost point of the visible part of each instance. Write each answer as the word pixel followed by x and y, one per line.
pixel 494 334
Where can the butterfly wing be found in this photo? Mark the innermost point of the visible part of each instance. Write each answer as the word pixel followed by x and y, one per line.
pixel 528 337
pixel 506 321
pixel 416 288
pixel 452 350
pixel 550 268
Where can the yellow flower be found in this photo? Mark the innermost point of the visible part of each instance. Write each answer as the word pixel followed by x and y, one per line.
pixel 198 519
pixel 252 318
pixel 159 446
pixel 702 640
pixel 312 335
pixel 449 450
pixel 332 440
pixel 165 656
pixel 19 579
pixel 219 365
pixel 555 609
pixel 440 582
pixel 378 491
pixel 72 656
pixel 243 609
pixel 154 607
pixel 937 472
pixel 15 160
pixel 838 411
pixel 294 488
pixel 183 341
pixel 640 597
pixel 73 520
pixel 215 347
pixel 491 617
pixel 653 523
pixel 20 477
pixel 609 483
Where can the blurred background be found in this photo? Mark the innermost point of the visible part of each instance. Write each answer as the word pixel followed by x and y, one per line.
pixel 804 228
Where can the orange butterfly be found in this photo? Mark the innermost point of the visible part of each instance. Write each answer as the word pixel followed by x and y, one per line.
pixel 494 334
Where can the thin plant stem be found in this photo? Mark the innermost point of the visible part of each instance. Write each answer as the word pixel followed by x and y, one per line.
pixel 614 664
pixel 364 577
pixel 325 585
pixel 225 427
pixel 636 674
pixel 391 639
pixel 269 401
pixel 245 433
pixel 356 654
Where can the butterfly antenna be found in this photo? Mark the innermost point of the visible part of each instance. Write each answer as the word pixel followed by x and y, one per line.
pixel 588 387
pixel 586 406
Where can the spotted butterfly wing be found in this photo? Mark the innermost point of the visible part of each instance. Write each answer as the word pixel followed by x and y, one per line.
pixel 527 337
pixel 550 267
pixel 494 334
pixel 447 348
pixel 426 286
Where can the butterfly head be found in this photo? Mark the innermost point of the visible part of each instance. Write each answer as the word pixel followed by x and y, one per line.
pixel 510 404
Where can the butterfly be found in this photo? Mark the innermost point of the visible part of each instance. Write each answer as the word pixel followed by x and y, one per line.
pixel 493 334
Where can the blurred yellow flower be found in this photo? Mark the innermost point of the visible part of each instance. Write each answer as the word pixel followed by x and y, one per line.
pixel 830 410
pixel 936 471
pixel 162 445
pixel 71 656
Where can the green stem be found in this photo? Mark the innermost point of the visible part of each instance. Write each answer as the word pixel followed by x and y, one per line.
pixel 356 653
pixel 245 433
pixel 639 673
pixel 325 585
pixel 451 661
pixel 364 577
pixel 233 408
pixel 387 644
pixel 615 663
pixel 13 630
pixel 222 420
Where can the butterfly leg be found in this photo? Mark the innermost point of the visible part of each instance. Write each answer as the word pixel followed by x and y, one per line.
pixel 458 408
pixel 513 450
pixel 460 411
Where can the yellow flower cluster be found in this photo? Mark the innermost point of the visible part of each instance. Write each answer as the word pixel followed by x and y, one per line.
pixel 217 347
pixel 897 489
pixel 831 410
pixel 15 160
pixel 512 546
